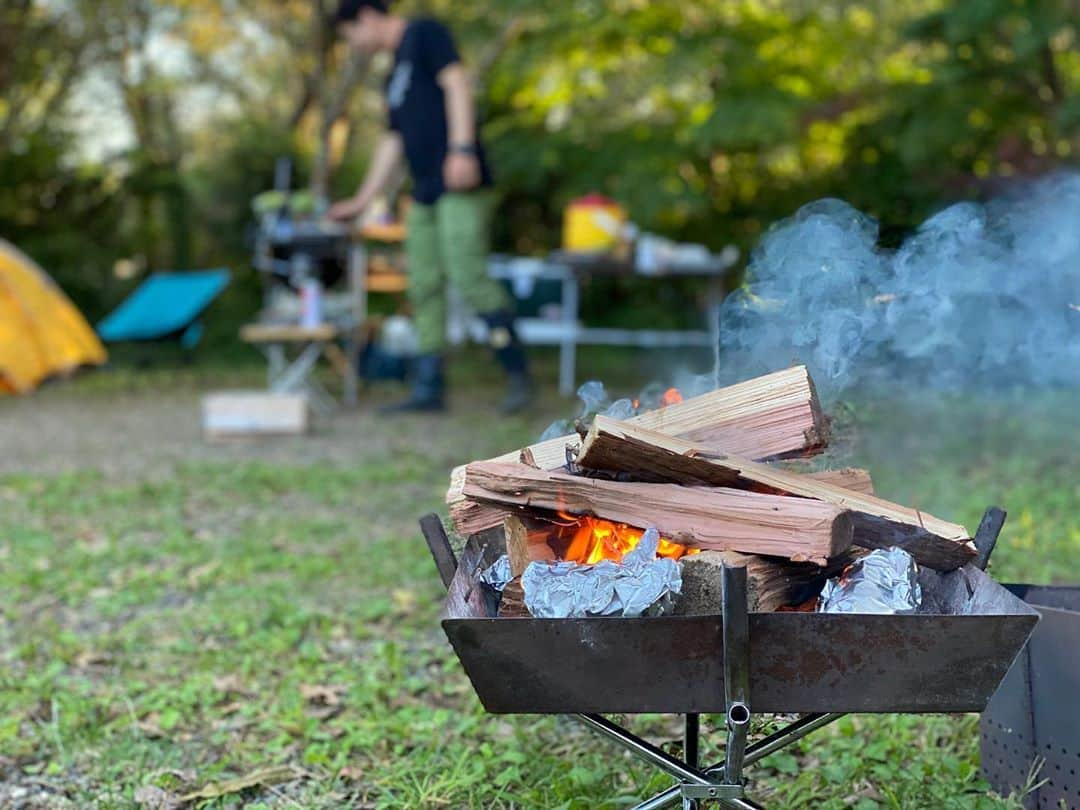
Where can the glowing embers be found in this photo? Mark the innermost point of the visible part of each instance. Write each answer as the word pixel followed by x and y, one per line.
pixel 588 540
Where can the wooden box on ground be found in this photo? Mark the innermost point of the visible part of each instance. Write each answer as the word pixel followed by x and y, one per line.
pixel 228 414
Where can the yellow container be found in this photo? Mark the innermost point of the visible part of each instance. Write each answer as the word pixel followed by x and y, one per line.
pixel 591 224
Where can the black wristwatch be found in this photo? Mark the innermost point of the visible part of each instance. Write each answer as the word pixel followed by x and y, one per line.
pixel 463 148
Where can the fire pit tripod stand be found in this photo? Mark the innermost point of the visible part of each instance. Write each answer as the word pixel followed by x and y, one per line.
pixel 675 664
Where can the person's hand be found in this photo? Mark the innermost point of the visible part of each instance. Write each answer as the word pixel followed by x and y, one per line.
pixel 345 210
pixel 461 171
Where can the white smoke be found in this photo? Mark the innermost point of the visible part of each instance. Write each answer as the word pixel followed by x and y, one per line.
pixel 980 296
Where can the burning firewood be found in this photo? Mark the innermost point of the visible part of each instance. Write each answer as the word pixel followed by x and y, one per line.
pixel 526 543
pixel 767 417
pixel 725 519
pixel 622 447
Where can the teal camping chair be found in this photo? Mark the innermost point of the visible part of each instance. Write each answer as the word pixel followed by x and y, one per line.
pixel 166 306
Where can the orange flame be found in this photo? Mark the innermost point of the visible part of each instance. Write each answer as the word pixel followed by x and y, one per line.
pixel 593 540
pixel 671 396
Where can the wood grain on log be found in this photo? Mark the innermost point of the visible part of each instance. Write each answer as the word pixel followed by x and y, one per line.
pixel 469 517
pixel 517 544
pixel 770 416
pixel 725 519
pixel 853 478
pixel 512 603
pixel 620 447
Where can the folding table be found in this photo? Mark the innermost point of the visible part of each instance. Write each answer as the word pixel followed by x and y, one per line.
pixel 292 353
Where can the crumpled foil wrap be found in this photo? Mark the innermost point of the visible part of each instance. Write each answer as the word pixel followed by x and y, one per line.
pixel 884 581
pixel 496 575
pixel 640 585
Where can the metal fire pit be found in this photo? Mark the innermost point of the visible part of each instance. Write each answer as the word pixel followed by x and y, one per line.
pixel 1031 727
pixel 949 658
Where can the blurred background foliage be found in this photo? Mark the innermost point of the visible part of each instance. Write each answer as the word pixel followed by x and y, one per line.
pixel 134 133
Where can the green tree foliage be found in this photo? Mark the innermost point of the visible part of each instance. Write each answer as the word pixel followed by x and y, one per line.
pixel 709 119
pixel 64 216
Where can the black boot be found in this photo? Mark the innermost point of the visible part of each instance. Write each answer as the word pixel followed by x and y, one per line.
pixel 504 341
pixel 428 387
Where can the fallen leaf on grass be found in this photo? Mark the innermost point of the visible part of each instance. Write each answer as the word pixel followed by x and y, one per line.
pixel 404 600
pixel 264 776
pixel 89 658
pixel 150 728
pixel 352 773
pixel 326 695
pixel 151 797
pixel 196 575
pixel 324 712
pixel 231 684
pixel 868 792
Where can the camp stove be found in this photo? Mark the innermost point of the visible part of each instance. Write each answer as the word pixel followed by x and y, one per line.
pixel 948 659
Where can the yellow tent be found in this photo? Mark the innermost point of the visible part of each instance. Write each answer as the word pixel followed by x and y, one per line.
pixel 41 332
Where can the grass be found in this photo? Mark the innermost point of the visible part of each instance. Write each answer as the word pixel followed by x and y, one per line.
pixel 163 635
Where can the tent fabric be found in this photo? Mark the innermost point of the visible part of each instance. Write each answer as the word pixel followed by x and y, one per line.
pixel 41 331
pixel 163 305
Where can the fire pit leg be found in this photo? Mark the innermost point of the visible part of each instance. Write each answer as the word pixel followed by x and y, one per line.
pixel 736 630
pixel 645 750
pixel 776 741
pixel 691 738
pixel 691 751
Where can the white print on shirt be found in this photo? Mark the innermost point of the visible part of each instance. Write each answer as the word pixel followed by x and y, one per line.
pixel 399 84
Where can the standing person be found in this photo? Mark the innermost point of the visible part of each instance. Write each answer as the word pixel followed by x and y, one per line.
pixel 432 123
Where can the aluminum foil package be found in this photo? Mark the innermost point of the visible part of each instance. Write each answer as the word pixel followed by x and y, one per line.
pixel 496 575
pixel 640 585
pixel 884 581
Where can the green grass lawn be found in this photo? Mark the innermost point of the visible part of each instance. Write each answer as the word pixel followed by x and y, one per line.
pixel 242 616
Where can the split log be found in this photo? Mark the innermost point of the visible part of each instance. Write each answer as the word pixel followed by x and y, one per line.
pixel 517 545
pixel 852 478
pixel 772 582
pixel 512 603
pixel 723 519
pixel 620 447
pixel 470 517
pixel 772 416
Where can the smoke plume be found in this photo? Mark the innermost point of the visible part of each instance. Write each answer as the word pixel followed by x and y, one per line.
pixel 980 296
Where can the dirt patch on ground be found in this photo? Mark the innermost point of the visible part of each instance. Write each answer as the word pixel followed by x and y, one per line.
pixel 147 433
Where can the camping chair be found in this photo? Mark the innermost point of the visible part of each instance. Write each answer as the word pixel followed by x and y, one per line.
pixel 165 306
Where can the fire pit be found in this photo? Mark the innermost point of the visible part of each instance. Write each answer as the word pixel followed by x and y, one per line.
pixel 557 591
pixel 823 665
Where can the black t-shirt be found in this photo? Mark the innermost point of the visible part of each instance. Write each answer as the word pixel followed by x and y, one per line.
pixel 418 108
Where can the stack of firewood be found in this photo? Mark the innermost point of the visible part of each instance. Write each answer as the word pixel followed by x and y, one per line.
pixel 709 473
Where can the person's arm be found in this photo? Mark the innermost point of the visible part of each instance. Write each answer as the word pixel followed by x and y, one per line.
pixel 384 163
pixel 462 168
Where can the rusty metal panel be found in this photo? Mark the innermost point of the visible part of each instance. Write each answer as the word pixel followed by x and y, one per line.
pixel 800 662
